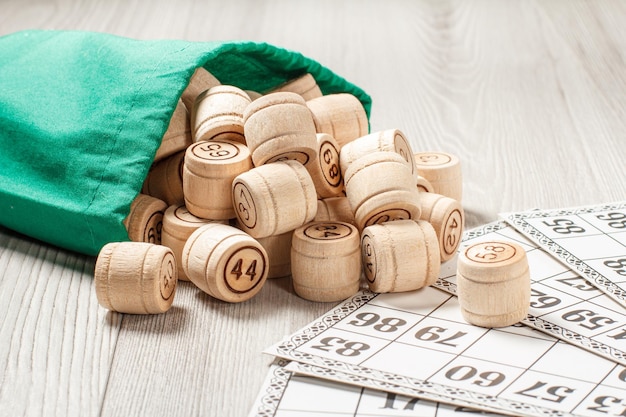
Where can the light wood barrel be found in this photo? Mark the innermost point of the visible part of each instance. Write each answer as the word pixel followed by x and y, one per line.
pixel 380 188
pixel 208 173
pixel 278 127
pixel 390 140
pixel 218 114
pixel 325 171
pixel 225 262
pixel 447 217
pixel 273 199
pixel 340 115
pixel 145 220
pixel 424 185
pixel 493 283
pixel 136 277
pixel 400 256
pixel 326 261
pixel 443 171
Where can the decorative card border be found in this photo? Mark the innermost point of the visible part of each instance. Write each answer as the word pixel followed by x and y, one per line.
pixel 518 221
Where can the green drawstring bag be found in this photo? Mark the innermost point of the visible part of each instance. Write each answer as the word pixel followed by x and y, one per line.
pixel 82 115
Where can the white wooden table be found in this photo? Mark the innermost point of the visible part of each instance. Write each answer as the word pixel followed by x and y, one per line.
pixel 531 95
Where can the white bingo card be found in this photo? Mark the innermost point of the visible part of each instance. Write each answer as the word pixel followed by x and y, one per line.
pixel 419 340
pixel 285 393
pixel 562 303
pixel 590 240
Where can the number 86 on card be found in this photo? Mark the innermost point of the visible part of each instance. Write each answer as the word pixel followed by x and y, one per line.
pixel 441 336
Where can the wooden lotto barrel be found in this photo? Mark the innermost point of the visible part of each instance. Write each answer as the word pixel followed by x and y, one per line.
pixel 273 199
pixel 325 171
pixel 225 262
pixel 145 220
pixel 493 283
pixel 443 172
pixel 447 217
pixel 380 188
pixel 135 277
pixel 218 114
pixel 390 140
pixel 208 173
pixel 400 256
pixel 278 127
pixel 341 115
pixel 326 261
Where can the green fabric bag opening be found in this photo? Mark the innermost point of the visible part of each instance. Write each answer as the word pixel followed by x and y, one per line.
pixel 83 113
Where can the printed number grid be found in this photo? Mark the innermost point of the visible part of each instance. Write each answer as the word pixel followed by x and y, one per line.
pixel 419 340
pixel 562 303
pixel 286 394
pixel 591 240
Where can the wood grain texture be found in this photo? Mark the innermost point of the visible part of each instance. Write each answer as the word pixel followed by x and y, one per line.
pixel 204 356
pixel 57 343
pixel 529 94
